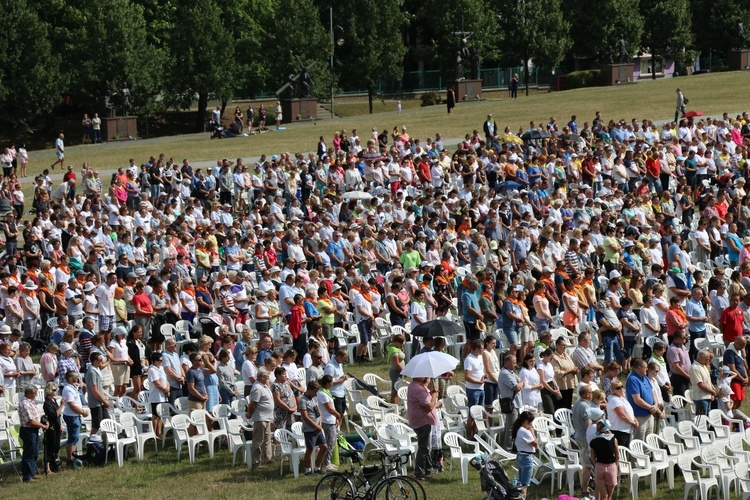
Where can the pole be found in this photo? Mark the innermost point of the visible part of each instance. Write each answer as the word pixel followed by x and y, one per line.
pixel 333 47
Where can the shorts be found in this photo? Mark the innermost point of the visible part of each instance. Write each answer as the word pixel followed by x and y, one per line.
pixel 60 156
pixel 365 333
pixel 120 374
pixel 106 322
pixel 528 334
pixel 585 453
pixel 606 474
pixel 98 414
pixel 328 331
pixel 314 438
pixel 196 405
pixel 512 335
pixel 154 406
pixel 738 393
pixel 475 397
pixel 471 331
pixel 629 346
pixel 491 393
pixel 73 426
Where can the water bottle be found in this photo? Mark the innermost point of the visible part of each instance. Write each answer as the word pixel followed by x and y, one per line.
pixel 515 480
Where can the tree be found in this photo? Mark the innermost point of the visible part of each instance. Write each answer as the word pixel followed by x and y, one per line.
pixel 717 31
pixel 667 30
pixel 298 30
pixel 594 29
pixel 373 49
pixel 435 30
pixel 30 82
pixel 533 30
pixel 202 50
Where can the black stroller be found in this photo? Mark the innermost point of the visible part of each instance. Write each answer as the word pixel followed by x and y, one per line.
pixel 494 480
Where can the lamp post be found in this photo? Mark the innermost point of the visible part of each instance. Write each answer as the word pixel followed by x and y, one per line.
pixel 334 42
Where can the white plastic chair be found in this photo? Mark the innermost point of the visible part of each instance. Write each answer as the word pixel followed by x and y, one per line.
pixel 743 481
pixel 374 380
pixel 112 430
pixel 723 467
pixel 635 467
pixel 289 450
pixel 484 421
pixel 565 417
pixel 144 431
pixel 377 403
pixel 658 461
pixel 200 419
pixel 693 478
pixel 561 463
pixel 454 442
pixel 237 441
pixel 180 425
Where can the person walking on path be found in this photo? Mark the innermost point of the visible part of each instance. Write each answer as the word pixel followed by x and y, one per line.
pixel 60 152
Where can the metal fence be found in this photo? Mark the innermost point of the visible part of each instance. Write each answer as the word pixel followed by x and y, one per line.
pixel 422 81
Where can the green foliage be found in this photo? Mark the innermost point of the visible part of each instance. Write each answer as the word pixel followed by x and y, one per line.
pixel 595 26
pixel 30 72
pixel 431 99
pixel 581 79
pixel 667 29
pixel 717 30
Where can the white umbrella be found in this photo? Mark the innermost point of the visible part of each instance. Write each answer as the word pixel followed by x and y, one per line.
pixel 430 364
pixel 357 195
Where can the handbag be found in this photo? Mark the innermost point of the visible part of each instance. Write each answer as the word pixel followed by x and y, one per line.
pixel 506 405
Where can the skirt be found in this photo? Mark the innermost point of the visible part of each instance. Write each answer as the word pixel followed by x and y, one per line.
pixel 120 374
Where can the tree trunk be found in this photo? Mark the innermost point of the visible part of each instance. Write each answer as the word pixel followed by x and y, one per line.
pixel 653 65
pixel 202 106
pixel 223 105
pixel 526 75
pixel 369 98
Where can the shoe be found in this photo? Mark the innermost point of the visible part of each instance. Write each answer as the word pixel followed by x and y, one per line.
pixel 32 480
pixel 332 468
pixel 309 473
pixel 320 472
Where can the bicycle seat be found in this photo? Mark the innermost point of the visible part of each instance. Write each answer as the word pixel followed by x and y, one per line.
pixel 351 454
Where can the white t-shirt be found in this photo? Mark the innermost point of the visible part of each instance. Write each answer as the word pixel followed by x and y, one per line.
pixel 325 415
pixel 619 424
pixel 548 370
pixel 524 438
pixel 361 302
pixel 249 372
pixel 70 394
pixel 474 365
pixel 156 373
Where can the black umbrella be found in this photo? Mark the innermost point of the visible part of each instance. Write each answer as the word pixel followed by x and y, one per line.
pixel 436 328
pixel 571 137
pixel 534 134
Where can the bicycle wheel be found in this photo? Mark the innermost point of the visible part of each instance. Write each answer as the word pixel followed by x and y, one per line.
pixel 334 486
pixel 398 488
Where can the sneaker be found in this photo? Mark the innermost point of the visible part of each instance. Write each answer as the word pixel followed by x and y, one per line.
pixel 309 473
pixel 320 472
pixel 332 468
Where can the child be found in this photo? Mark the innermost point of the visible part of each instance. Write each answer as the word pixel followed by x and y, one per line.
pixel 227 387
pixel 611 371
pixel 312 428
pixel 725 398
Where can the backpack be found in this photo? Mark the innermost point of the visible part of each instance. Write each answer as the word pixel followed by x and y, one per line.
pixel 96 454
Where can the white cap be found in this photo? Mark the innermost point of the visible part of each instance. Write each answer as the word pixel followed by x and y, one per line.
pixel 614 274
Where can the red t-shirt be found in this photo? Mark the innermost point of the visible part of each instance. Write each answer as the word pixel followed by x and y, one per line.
pixel 732 322
pixel 653 167
pixel 295 321
pixel 145 303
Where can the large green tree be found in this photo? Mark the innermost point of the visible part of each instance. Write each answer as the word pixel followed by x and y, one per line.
pixel 667 30
pixel 373 49
pixel 533 30
pixel 717 32
pixel 30 82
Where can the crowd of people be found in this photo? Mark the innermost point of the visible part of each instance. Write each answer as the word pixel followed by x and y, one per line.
pixel 614 224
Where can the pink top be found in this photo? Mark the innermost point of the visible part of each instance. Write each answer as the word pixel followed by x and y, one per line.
pixel 737 136
pixel 417 396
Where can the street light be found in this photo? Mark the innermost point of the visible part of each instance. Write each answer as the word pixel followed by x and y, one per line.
pixel 334 42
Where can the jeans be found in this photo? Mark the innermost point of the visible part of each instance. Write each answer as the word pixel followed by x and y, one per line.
pixel 702 406
pixel 510 419
pixel 175 393
pixel 612 348
pixel 30 438
pixel 423 461
pixel 525 464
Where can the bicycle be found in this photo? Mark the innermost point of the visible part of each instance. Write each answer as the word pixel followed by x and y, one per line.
pixel 370 482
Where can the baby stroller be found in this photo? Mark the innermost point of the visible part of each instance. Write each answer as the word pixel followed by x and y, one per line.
pixel 494 480
pixel 208 326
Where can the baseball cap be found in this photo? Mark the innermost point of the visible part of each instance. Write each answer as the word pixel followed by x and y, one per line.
pixel 614 274
pixel 65 347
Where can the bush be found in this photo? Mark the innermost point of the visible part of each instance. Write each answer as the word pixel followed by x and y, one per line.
pixel 431 99
pixel 580 79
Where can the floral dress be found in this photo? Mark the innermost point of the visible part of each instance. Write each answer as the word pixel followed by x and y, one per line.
pixel 282 419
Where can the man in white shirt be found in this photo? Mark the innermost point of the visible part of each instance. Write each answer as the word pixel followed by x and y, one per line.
pixel 105 296
pixel 364 316
pixel 475 377
pixel 60 152
pixel 72 412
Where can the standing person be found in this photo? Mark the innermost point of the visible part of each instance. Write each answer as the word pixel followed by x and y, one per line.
pixel 566 374
pixel 196 383
pixel 512 317
pixel 365 316
pixel 60 152
pixel 396 358
pixel 605 455
pixel 696 317
pixel 52 435
pixel 96 125
pixel 30 421
pixel 97 397
pixel 105 296
pixel 511 398
pixel 581 422
pixel 514 86
pixel 450 100
pixel 679 105
pixel 312 428
pixel 702 390
pixel 621 414
pixel 335 368
pixel 422 405
pixel 475 378
pixel 679 364
pixel 526 443
pixel 278 112
pixel 735 360
pixel 260 412
pixel 640 394
pixel 732 320
pixel 72 412
pixel 158 391
pixel 471 313
pixel 330 418
pixel 492 369
pixel 173 370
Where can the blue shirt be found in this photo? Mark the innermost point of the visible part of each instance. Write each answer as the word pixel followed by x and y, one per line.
pixel 695 309
pixel 469 299
pixel 335 248
pixel 731 357
pixel 335 370
pixel 260 359
pixel 510 307
pixel 734 256
pixel 641 386
pixel 310 309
